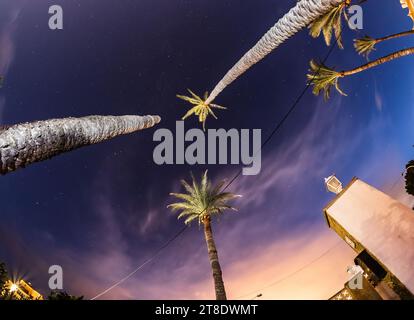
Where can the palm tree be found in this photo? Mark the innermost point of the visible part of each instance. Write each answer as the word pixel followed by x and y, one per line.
pixel 201 203
pixel 26 143
pixel 324 78
pixel 299 17
pixel 330 23
pixel 364 46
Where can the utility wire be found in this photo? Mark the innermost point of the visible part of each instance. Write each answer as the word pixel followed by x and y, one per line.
pixel 292 273
pixel 158 252
pixel 275 130
pixel 289 112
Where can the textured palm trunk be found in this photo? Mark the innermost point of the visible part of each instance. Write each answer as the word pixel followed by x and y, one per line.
pixel 214 261
pixel 299 17
pixel 26 143
pixel 392 56
pixel 394 36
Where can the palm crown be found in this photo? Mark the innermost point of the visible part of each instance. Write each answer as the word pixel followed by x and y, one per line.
pixel 201 108
pixel 202 200
pixel 330 23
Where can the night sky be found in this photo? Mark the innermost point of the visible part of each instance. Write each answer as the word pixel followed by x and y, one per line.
pixel 101 211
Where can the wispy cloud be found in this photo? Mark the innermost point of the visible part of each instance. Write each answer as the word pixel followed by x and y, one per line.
pixel 257 230
pixel 279 229
pixel 7 46
pixel 379 101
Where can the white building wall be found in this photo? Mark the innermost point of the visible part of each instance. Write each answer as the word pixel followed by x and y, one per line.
pixel 384 226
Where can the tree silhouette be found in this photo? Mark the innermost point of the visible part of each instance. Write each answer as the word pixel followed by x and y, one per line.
pixel 409 177
pixel 62 295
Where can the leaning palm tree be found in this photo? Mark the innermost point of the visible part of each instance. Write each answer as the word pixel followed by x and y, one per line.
pixel 201 203
pixel 324 78
pixel 26 143
pixel 364 46
pixel 299 17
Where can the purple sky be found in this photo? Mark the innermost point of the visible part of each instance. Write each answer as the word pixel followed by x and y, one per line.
pixel 101 211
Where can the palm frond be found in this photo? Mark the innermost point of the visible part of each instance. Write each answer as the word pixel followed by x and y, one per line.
pixel 315 28
pixel 183 196
pixel 196 97
pixel 188 99
pixel 328 24
pixel 213 105
pixel 323 79
pixel 225 196
pixel 227 207
pixel 186 213
pixel 204 182
pixel 202 199
pixel 364 46
pixel 191 219
pixel 180 206
pixel 212 113
pixel 200 108
pixel 188 188
pixel 196 187
pixel 189 113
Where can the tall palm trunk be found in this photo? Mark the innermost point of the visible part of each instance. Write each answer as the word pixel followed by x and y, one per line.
pixel 214 260
pixel 394 36
pixel 26 143
pixel 390 57
pixel 305 12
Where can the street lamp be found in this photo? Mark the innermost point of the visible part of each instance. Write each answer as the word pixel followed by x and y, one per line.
pixel 333 184
pixel 13 287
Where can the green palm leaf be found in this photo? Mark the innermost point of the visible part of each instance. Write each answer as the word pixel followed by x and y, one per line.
pixel 364 46
pixel 330 24
pixel 201 200
pixel 323 79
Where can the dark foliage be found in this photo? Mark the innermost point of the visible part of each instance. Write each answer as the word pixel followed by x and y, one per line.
pixel 409 178
pixel 62 295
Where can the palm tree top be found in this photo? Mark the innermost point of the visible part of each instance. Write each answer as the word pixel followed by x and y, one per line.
pixel 202 200
pixel 365 45
pixel 201 108
pixel 323 79
pixel 330 24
